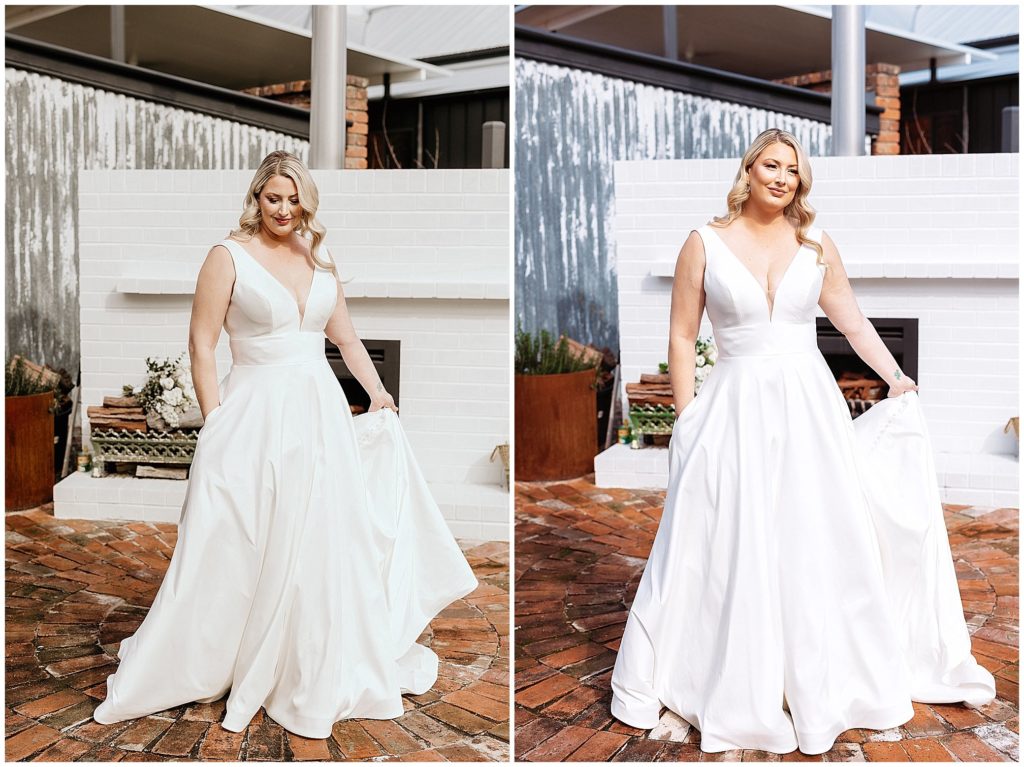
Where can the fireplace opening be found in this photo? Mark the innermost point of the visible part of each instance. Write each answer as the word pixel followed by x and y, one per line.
pixel 860 385
pixel 386 357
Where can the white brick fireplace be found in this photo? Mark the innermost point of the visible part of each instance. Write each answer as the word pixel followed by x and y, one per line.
pixel 927 237
pixel 425 254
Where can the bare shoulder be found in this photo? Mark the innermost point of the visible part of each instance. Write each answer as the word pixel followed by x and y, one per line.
pixel 693 247
pixel 692 258
pixel 219 264
pixel 690 262
pixel 829 249
pixel 219 255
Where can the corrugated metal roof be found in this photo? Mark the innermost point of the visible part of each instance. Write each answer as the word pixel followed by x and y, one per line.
pixel 952 23
pixel 961 24
pixel 414 31
pixel 1008 63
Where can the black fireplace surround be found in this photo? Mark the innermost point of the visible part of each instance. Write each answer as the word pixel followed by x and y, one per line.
pixel 386 356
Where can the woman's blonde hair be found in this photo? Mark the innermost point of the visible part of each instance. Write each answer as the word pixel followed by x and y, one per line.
pixel 285 164
pixel 799 211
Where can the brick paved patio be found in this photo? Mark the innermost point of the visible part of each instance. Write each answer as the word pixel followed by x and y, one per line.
pixel 76 588
pixel 580 551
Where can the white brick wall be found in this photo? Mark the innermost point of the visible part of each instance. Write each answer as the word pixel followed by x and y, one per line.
pixel 932 237
pixel 442 236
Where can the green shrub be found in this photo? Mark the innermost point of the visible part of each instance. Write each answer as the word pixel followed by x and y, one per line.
pixel 542 355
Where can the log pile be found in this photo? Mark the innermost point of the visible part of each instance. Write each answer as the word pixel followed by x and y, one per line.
pixel 653 389
pixel 588 354
pixel 118 413
pixel 855 386
pixel 46 376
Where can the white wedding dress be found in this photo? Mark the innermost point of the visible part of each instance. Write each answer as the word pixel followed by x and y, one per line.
pixel 801 582
pixel 310 554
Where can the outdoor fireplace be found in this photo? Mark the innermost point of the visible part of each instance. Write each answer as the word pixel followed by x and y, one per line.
pixel 860 384
pixel 941 247
pixel 419 283
pixel 386 357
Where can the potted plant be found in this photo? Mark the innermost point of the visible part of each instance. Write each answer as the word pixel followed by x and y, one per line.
pixel 556 409
pixel 29 409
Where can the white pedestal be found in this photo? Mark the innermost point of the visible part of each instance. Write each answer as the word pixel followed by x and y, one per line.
pixel 476 511
pixel 964 478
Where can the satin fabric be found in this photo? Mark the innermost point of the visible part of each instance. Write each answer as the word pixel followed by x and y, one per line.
pixel 800 583
pixel 310 553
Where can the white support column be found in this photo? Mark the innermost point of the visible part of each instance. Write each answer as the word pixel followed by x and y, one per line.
pixel 327 97
pixel 848 99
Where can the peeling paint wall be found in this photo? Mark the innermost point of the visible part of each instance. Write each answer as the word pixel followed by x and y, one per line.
pixel 571 126
pixel 56 128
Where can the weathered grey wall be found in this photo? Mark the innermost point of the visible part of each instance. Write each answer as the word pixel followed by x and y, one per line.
pixel 571 126
pixel 54 128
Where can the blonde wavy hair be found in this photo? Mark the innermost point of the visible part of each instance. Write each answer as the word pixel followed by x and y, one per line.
pixel 285 164
pixel 799 212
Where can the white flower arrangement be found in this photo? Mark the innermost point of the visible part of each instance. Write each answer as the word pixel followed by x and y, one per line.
pixel 167 393
pixel 707 355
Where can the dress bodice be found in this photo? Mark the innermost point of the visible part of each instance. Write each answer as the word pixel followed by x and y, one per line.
pixel 738 307
pixel 263 319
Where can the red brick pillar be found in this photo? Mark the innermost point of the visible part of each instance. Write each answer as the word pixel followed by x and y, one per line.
pixel 357 114
pixel 298 93
pixel 884 80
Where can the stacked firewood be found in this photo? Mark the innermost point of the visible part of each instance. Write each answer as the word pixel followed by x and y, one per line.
pixel 588 354
pixel 118 413
pixel 44 375
pixel 855 386
pixel 653 389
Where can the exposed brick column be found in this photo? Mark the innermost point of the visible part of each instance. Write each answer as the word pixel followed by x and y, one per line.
pixel 358 116
pixel 298 93
pixel 884 80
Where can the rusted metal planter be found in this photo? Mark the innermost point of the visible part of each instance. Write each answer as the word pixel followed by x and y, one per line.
pixel 556 425
pixel 29 451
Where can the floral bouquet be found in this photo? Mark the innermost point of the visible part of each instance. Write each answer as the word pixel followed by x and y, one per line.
pixel 167 393
pixel 707 354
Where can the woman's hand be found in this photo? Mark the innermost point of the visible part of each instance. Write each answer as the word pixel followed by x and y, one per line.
pixel 680 410
pixel 902 386
pixel 383 400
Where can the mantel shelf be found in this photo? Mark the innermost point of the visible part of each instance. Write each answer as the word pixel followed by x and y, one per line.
pixel 480 286
pixel 912 270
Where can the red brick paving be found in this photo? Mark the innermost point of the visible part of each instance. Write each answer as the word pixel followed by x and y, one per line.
pixel 76 588
pixel 580 551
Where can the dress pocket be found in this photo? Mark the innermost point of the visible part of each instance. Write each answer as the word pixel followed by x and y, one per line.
pixel 211 414
pixel 687 411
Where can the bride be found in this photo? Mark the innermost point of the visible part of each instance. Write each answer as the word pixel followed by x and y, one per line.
pixel 801 582
pixel 310 555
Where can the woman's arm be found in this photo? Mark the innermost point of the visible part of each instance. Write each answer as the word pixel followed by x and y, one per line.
pixel 840 306
pixel 210 305
pixel 684 320
pixel 340 331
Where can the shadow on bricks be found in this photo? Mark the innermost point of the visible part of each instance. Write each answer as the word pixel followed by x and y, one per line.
pixel 76 588
pixel 580 551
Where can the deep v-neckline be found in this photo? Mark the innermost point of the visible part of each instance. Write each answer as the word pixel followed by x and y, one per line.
pixel 769 301
pixel 300 309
